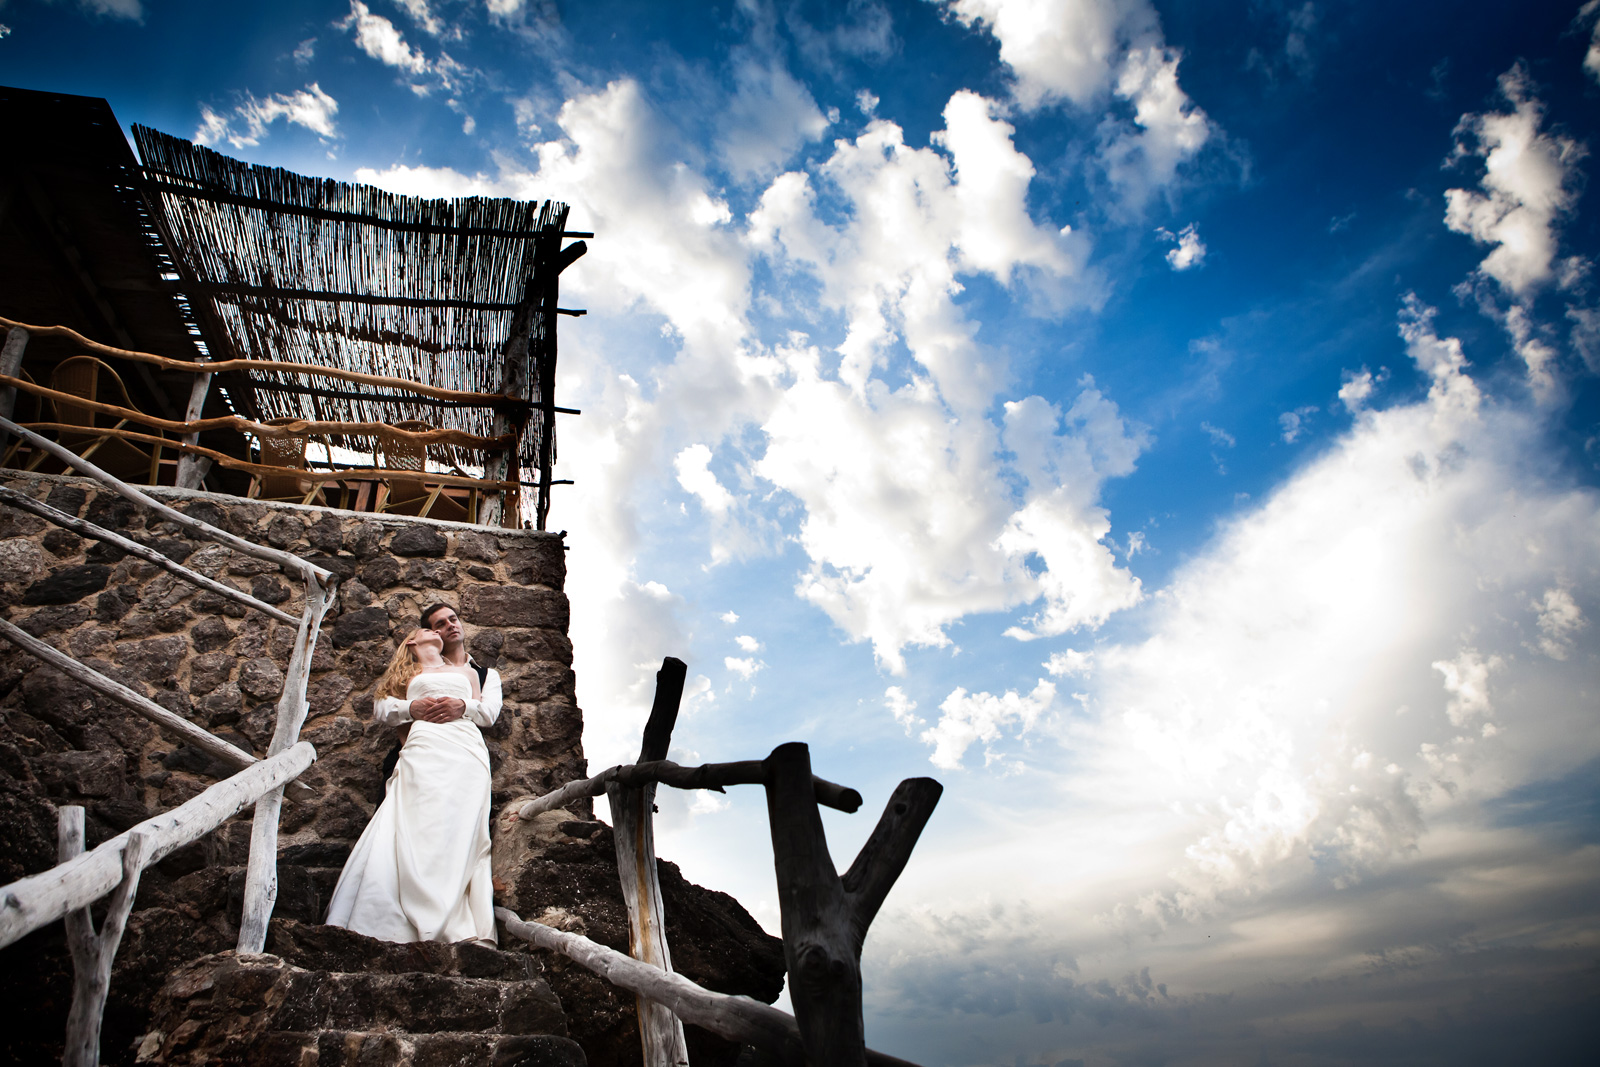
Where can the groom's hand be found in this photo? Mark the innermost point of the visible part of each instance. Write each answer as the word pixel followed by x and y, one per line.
pixel 438 709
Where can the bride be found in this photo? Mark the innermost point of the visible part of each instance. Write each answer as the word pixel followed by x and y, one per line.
pixel 420 871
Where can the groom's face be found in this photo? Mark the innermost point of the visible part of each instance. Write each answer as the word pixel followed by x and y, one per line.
pixel 447 624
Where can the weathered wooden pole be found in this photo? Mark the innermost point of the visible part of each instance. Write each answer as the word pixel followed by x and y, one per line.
pixel 192 468
pixel 660 1031
pixel 825 918
pixel 261 875
pixel 92 954
pixel 10 364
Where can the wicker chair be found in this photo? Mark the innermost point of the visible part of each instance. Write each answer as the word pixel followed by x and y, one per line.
pixel 407 496
pixel 288 452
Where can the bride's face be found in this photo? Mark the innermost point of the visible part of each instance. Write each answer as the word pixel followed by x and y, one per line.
pixel 424 640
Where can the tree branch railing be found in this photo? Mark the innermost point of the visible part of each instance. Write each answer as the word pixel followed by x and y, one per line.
pixel 824 917
pixel 70 887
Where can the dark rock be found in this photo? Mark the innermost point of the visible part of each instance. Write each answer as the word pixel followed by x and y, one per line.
pixel 55 617
pixel 483 574
pixel 330 731
pixel 340 818
pixel 174 548
pixel 86 642
pixel 67 498
pixel 432 574
pixel 105 552
pixel 354 595
pixel 380 572
pixel 122 814
pixel 20 560
pixel 326 534
pixel 222 705
pixel 14 523
pixel 509 605
pixel 478 546
pixel 538 683
pixel 62 543
pixel 285 529
pixel 525 645
pixel 485 646
pixel 269 590
pixel 316 854
pixel 68 584
pixel 343 566
pixel 114 512
pixel 84 774
pixel 209 670
pixel 27 839
pixel 192 760
pixel 543 563
pixel 363 625
pixel 209 634
pixel 176 701
pixel 328 693
pixel 419 540
pixel 363 539
pixel 208 513
pixel 155 660
pixel 249 566
pixel 113 604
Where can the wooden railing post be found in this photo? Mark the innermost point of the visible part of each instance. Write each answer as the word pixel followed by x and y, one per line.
pixel 261 876
pixel 824 917
pixel 10 363
pixel 192 468
pixel 660 1031
pixel 92 955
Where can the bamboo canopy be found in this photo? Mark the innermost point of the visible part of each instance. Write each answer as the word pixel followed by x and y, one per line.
pixel 286 268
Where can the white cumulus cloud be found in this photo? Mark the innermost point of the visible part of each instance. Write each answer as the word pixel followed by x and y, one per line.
pixel 967 718
pixel 247 123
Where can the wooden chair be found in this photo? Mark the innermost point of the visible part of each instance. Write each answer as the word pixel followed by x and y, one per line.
pixel 81 376
pixel 288 452
pixel 408 497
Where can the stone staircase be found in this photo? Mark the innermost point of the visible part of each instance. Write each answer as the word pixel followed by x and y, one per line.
pixel 327 997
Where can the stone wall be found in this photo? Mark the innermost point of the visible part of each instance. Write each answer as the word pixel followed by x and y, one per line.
pixel 221 665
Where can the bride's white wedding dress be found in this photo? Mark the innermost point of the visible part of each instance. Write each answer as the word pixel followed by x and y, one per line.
pixel 420 871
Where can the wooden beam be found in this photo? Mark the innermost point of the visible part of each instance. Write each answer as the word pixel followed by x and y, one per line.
pixel 272 365
pixel 173 725
pixel 303 473
pixel 712 776
pixel 738 1019
pixel 632 807
pixel 30 903
pixel 195 426
pixel 86 528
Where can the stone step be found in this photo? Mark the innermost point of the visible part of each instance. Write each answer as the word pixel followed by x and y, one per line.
pixel 387 1048
pixel 228 1008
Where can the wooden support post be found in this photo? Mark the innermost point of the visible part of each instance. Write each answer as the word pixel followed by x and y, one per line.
pixel 516 381
pixel 92 954
pixel 261 876
pixel 10 363
pixel 660 1031
pixel 192 468
pixel 825 918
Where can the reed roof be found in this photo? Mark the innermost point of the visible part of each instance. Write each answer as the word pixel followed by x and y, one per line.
pixel 283 267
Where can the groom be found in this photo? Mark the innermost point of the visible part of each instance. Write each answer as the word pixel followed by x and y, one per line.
pixel 443 620
pixel 396 711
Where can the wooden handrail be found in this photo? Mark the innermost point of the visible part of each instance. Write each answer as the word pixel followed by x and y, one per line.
pixel 273 365
pixel 711 776
pixel 740 1019
pixel 303 473
pixel 259 429
pixel 287 560
pixel 40 899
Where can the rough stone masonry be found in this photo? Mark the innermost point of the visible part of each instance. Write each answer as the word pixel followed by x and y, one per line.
pixel 220 664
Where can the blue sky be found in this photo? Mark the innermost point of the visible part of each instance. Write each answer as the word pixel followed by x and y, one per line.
pixel 1171 425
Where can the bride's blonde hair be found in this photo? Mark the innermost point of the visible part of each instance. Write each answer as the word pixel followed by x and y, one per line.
pixel 402 668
